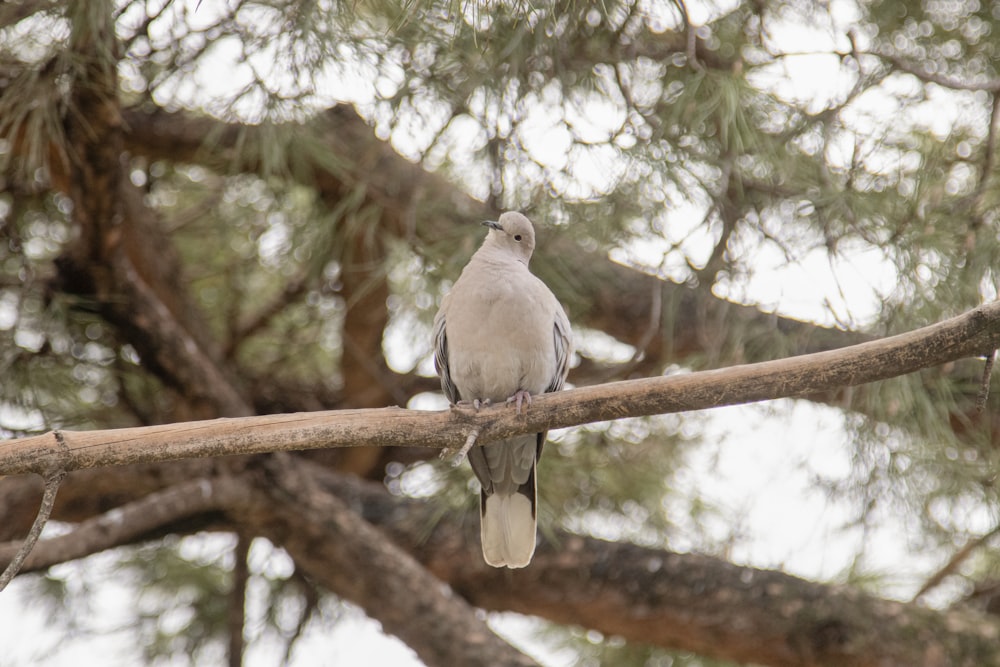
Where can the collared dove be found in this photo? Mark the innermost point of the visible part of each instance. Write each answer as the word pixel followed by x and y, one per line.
pixel 501 335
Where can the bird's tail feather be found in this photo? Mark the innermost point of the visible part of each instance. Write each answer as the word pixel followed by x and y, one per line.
pixel 508 526
pixel 506 471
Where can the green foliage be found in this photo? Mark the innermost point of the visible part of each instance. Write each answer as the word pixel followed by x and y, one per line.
pixel 612 480
pixel 162 579
pixel 182 597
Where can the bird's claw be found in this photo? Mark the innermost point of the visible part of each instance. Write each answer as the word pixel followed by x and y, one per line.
pixel 520 397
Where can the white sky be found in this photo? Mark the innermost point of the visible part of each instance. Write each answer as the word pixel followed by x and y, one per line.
pixel 758 460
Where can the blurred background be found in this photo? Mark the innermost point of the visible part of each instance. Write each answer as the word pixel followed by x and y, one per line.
pixel 219 209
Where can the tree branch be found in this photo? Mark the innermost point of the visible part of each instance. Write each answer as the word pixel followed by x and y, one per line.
pixel 132 521
pixel 954 562
pixel 15 11
pixel 688 602
pixel 112 262
pixel 974 333
pixel 236 614
pixel 921 72
pixel 329 542
pixel 679 601
pixel 355 560
pixel 21 554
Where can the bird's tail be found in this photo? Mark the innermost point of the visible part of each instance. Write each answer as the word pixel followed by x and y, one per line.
pixel 508 525
pixel 506 471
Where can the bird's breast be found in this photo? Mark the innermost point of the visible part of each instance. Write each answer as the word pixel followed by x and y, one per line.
pixel 503 343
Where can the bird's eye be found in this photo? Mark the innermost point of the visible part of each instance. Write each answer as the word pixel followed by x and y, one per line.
pixel 517 237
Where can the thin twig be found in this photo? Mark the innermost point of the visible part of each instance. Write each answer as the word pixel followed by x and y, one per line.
pixel 52 483
pixel 903 65
pixel 691 48
pixel 990 158
pixel 652 329
pixel 984 387
pixel 311 599
pixel 295 288
pixel 380 374
pixel 949 568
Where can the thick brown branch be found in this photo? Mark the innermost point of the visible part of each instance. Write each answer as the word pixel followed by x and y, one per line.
pixel 687 602
pixel 714 608
pixel 169 346
pixel 974 333
pixel 329 542
pixel 137 291
pixel 678 601
pixel 115 261
pixel 88 493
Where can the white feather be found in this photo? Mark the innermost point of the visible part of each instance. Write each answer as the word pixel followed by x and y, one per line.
pixel 508 530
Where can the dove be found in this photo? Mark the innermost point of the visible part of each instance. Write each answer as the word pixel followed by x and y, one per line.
pixel 500 335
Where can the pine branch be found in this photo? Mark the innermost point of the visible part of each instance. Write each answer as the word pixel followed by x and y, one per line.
pixel 689 602
pixel 421 204
pixel 131 281
pixel 974 333
pixel 130 522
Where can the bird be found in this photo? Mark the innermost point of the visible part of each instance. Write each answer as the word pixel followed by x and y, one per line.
pixel 501 335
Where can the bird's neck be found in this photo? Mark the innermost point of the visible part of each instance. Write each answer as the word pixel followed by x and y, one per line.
pixel 499 258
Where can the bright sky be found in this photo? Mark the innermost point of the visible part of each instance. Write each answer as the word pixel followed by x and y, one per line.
pixel 759 461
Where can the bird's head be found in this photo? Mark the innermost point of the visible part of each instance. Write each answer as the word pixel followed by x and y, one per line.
pixel 512 233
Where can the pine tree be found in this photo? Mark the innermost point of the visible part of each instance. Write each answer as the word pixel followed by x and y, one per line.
pixel 248 208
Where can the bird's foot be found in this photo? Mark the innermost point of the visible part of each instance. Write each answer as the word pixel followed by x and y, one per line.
pixel 520 397
pixel 457 454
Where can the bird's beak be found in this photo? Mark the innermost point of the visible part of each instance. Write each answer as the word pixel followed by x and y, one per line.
pixel 492 224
